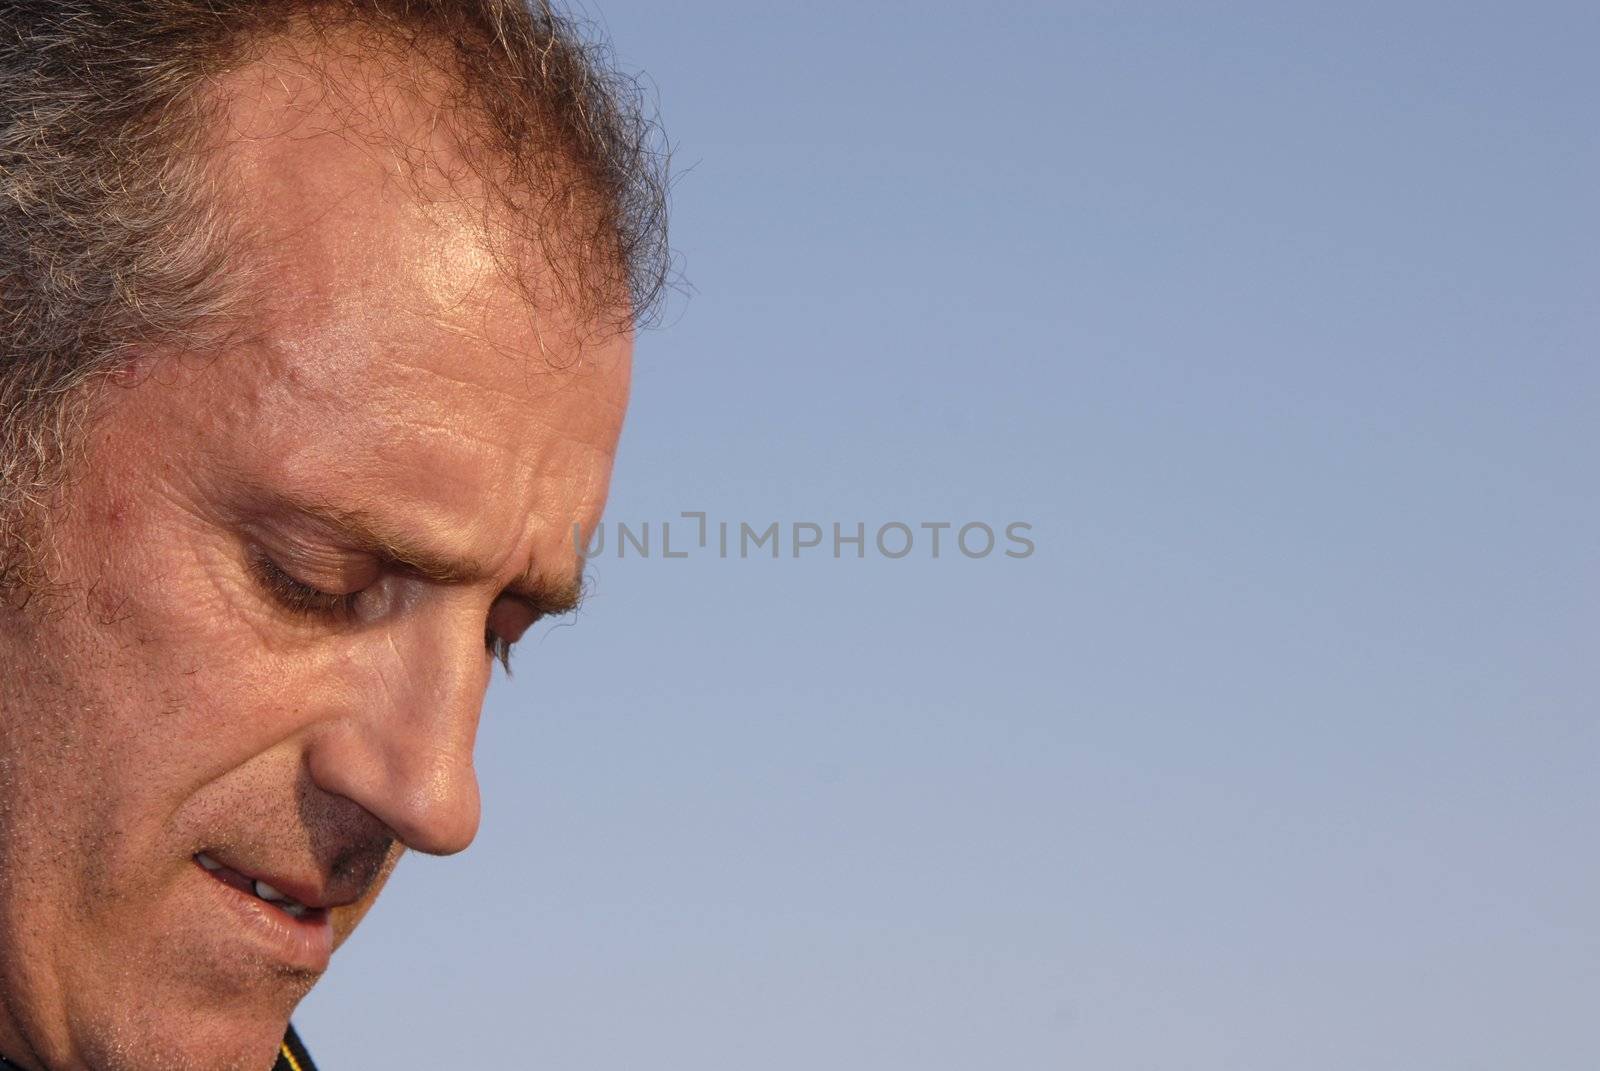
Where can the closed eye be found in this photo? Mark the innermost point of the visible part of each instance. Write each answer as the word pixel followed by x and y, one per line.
pixel 506 624
pixel 296 595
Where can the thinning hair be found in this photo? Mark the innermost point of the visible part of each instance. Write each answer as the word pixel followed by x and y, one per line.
pixel 113 238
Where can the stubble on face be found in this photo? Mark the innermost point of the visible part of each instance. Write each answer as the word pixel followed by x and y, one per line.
pixel 156 702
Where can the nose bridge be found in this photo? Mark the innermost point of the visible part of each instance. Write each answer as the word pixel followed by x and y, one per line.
pixel 403 751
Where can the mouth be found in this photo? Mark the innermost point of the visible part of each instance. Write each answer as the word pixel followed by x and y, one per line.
pixel 261 890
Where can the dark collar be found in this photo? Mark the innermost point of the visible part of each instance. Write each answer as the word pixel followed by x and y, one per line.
pixel 292 1055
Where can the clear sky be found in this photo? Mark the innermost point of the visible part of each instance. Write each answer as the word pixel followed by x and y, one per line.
pixel 1278 324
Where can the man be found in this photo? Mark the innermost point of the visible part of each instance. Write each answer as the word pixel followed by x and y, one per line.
pixel 315 329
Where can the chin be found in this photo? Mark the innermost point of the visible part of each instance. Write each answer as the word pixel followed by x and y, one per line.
pixel 174 998
pixel 158 1037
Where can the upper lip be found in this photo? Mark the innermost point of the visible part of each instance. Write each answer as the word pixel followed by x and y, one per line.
pixel 311 892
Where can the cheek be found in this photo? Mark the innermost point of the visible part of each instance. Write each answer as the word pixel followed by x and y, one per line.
pixel 184 668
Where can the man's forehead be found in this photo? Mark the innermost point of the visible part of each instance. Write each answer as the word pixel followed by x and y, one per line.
pixel 320 190
pixel 357 165
pixel 357 201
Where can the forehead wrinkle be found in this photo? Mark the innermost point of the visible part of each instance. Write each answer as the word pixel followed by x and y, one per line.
pixel 501 349
pixel 536 360
pixel 558 383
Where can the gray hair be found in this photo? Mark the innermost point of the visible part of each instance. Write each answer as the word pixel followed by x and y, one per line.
pixel 111 238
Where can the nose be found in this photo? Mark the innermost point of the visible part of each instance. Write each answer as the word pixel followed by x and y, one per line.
pixel 403 750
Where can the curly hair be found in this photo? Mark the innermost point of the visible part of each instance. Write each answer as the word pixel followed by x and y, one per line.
pixel 112 236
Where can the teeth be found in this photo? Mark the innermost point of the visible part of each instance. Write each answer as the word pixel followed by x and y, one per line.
pixel 262 890
pixel 293 908
pixel 267 892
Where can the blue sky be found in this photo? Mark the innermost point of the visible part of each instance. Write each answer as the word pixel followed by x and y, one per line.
pixel 1278 326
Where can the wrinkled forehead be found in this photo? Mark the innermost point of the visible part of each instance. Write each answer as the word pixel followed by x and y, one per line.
pixel 357 172
pixel 387 294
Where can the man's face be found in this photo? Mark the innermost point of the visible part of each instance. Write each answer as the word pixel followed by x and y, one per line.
pixel 278 579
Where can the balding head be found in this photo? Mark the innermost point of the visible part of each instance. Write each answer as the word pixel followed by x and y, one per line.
pixel 119 231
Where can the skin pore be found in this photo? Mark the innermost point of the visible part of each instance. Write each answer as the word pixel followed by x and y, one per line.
pixel 280 578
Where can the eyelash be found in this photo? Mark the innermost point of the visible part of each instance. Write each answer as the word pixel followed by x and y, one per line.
pixel 499 649
pixel 301 598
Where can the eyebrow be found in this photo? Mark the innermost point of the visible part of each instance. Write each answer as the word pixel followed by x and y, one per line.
pixel 548 596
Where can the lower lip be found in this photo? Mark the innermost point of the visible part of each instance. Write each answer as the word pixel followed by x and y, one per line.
pixel 304 943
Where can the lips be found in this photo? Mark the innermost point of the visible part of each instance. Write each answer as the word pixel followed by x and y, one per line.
pixel 258 888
